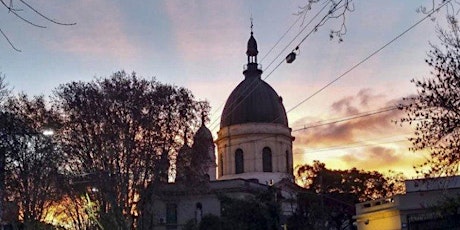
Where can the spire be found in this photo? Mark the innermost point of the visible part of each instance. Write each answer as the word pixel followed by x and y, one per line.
pixel 252 47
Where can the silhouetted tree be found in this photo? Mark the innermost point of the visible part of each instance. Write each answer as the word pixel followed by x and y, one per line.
pixel 123 132
pixel 259 212
pixel 32 160
pixel 330 195
pixel 435 109
pixel 4 90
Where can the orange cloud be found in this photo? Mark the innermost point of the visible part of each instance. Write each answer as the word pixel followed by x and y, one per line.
pixel 370 142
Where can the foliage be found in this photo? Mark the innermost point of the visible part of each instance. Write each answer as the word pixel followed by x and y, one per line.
pixel 260 212
pixel 210 222
pixel 330 195
pixel 435 109
pixel 31 160
pixel 4 90
pixel 121 133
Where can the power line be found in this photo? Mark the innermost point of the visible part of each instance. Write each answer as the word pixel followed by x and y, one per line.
pixel 300 32
pixel 353 145
pixel 352 117
pixel 259 82
pixel 281 38
pixel 369 56
pixel 356 116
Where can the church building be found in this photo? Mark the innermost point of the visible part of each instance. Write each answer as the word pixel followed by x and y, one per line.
pixel 254 154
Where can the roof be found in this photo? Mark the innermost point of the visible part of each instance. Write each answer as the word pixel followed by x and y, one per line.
pixel 253 100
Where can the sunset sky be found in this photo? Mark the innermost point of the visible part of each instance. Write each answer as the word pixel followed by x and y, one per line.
pixel 201 45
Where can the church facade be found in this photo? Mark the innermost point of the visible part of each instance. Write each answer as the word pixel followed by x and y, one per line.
pixel 254 154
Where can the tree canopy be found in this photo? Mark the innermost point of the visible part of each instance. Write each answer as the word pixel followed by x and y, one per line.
pixel 113 137
pixel 330 196
pixel 31 161
pixel 435 109
pixel 122 133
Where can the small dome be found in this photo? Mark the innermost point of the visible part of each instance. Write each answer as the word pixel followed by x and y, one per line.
pixel 203 133
pixel 262 105
pixel 252 46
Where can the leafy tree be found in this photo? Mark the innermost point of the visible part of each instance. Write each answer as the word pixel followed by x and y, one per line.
pixel 122 133
pixel 32 160
pixel 435 109
pixel 4 91
pixel 330 195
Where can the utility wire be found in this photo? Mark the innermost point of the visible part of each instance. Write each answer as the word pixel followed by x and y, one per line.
pixel 301 31
pixel 281 38
pixel 375 112
pixel 250 87
pixel 352 117
pixel 354 146
pixel 369 56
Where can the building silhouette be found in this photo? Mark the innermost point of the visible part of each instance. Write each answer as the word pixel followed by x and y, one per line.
pixel 254 155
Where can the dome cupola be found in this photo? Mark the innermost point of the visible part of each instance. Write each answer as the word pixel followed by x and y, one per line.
pixel 252 47
pixel 253 100
pixel 254 140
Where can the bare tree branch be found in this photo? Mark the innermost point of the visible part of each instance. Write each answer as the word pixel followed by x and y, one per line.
pixel 16 12
pixel 45 17
pixel 339 9
pixel 9 42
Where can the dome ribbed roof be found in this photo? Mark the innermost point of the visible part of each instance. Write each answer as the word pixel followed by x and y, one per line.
pixel 262 105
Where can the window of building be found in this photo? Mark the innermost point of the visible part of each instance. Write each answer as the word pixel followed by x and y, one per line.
pixel 221 165
pixel 239 161
pixel 171 215
pixel 267 160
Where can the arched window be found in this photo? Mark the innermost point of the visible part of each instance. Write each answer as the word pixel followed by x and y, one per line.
pixel 267 160
pixel 221 165
pixel 239 161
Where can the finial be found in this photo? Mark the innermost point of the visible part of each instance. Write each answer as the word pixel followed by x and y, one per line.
pixel 252 25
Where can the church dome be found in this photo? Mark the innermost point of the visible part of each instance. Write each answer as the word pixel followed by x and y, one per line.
pixel 253 100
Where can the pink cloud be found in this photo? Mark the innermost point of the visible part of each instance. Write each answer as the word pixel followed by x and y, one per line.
pixel 99 32
pixel 197 42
